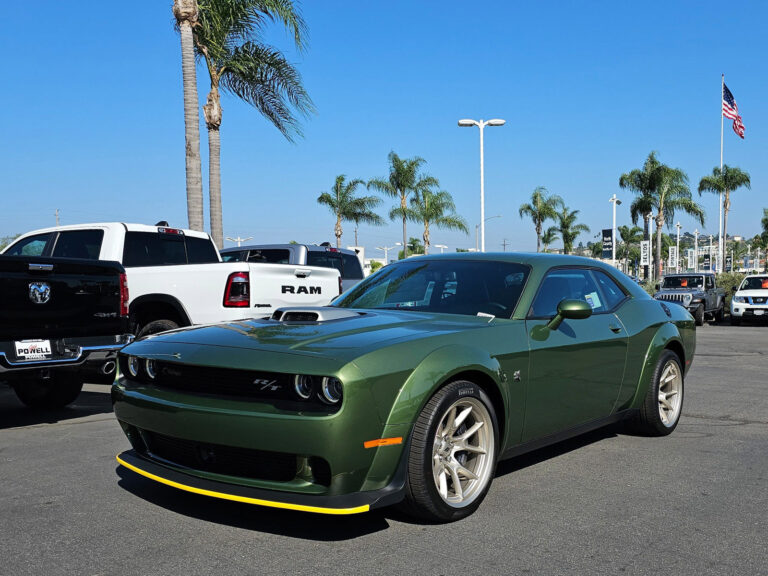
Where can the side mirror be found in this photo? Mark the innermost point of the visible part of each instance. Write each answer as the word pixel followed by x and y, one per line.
pixel 736 288
pixel 658 286
pixel 570 309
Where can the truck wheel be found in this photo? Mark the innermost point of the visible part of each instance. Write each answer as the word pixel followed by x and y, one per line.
pixel 156 326
pixel 698 315
pixel 720 314
pixel 56 392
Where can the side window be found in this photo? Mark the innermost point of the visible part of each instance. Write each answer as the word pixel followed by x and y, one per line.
pixel 200 251
pixel 325 260
pixel 234 256
pixel 32 246
pixel 611 292
pixel 85 244
pixel 153 249
pixel 570 283
pixel 270 256
pixel 352 268
pixel 710 283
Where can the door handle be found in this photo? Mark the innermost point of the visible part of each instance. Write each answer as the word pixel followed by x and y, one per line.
pixel 302 273
pixel 615 328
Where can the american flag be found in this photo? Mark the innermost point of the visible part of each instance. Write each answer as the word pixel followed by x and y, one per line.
pixel 731 110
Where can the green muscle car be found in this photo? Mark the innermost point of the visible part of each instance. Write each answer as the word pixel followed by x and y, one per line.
pixel 408 388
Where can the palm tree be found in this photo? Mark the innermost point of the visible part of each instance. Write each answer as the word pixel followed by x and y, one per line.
pixel 228 37
pixel 630 241
pixel 186 13
pixel 403 180
pixel 764 224
pixel 550 236
pixel 345 206
pixel 567 227
pixel 542 207
pixel 672 194
pixel 436 209
pixel 643 182
pixel 724 182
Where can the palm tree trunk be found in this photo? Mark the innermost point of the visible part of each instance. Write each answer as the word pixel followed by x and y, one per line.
pixel 538 237
pixel 338 231
pixel 185 12
pixel 659 226
pixel 404 207
pixel 356 244
pixel 426 237
pixel 212 112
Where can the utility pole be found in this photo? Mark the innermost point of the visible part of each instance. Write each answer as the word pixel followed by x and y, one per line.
pixel 57 217
pixel 696 250
pixel 504 244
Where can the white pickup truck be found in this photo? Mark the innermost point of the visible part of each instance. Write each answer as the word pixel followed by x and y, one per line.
pixel 176 277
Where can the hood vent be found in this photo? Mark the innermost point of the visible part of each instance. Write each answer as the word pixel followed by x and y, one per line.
pixel 312 314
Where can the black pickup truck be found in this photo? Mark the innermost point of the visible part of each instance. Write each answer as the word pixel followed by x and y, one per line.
pixel 62 322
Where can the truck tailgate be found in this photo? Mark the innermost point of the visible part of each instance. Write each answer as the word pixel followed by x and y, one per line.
pixel 59 298
pixel 291 285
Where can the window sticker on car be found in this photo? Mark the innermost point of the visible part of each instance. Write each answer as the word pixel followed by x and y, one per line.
pixel 593 300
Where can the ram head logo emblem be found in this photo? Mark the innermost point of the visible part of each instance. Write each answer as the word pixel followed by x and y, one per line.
pixel 39 292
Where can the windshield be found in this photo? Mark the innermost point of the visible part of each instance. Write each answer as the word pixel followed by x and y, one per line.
pixel 443 286
pixel 683 282
pixel 755 283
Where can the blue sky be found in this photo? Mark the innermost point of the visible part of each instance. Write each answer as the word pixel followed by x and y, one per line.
pixel 92 112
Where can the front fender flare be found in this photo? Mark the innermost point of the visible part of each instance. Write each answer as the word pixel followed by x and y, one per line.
pixel 666 333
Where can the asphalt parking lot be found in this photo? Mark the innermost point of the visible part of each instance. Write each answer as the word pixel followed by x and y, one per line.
pixel 608 503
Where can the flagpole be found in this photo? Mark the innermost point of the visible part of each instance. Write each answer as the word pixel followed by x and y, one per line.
pixel 720 246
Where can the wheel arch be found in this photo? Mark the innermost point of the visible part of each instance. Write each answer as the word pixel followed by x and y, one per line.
pixel 668 337
pixel 149 307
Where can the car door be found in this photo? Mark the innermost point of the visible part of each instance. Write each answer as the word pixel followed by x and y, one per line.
pixel 575 370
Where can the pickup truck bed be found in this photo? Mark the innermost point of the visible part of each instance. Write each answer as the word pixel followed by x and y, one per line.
pixel 62 322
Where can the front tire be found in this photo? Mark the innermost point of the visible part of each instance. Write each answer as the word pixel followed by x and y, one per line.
pixel 663 404
pixel 56 392
pixel 156 326
pixel 698 315
pixel 720 314
pixel 453 453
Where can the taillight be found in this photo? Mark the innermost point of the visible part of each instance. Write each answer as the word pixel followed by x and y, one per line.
pixel 340 287
pixel 236 294
pixel 123 295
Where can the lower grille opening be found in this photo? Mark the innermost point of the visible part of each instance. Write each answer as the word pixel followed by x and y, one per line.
pixel 233 461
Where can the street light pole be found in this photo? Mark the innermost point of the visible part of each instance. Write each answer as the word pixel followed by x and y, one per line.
pixel 481 226
pixel 696 250
pixel 239 240
pixel 386 250
pixel 482 124
pixel 613 200
pixel 441 246
pixel 677 259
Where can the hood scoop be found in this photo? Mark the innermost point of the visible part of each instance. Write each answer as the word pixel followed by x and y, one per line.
pixel 312 314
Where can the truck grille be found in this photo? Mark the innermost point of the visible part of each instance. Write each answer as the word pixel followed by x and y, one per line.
pixel 679 298
pixel 758 299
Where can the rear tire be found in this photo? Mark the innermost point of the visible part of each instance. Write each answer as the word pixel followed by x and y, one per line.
pixel 698 315
pixel 720 314
pixel 453 451
pixel 156 326
pixel 56 392
pixel 663 404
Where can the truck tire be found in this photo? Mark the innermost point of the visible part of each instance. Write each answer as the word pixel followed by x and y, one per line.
pixel 155 326
pixel 56 392
pixel 698 315
pixel 720 314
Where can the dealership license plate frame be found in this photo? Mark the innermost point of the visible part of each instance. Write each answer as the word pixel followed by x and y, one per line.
pixel 41 350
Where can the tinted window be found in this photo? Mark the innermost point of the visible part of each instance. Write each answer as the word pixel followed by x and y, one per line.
pixel 153 249
pixel 200 251
pixel 445 286
pixel 237 256
pixel 32 246
pixel 325 260
pixel 84 244
pixel 692 281
pixel 710 282
pixel 755 283
pixel 352 268
pixel 612 293
pixel 568 283
pixel 270 256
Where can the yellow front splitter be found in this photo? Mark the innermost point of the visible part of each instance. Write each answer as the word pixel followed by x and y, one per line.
pixel 245 499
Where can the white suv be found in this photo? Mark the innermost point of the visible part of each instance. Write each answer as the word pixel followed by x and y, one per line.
pixel 750 300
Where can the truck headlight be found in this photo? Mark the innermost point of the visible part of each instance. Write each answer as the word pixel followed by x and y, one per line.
pixel 740 299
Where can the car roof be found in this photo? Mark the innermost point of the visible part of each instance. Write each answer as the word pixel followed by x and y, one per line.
pixel 309 247
pixel 130 227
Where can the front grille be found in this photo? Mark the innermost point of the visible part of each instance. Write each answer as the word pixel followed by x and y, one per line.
pixel 218 459
pixel 758 299
pixel 671 297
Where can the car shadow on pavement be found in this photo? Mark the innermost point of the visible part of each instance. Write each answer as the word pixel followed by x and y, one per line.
pixel 303 525
pixel 13 414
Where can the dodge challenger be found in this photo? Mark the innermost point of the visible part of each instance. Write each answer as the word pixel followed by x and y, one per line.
pixel 408 389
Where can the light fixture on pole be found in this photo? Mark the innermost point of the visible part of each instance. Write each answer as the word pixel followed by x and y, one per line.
pixel 410 245
pixel 466 123
pixel 239 240
pixel 613 200
pixel 386 250
pixel 482 227
pixel 677 259
pixel 441 246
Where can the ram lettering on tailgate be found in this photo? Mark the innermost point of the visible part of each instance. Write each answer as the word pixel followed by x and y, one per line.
pixel 301 289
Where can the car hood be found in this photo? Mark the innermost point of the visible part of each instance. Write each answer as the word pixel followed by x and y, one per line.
pixel 346 338
pixel 759 293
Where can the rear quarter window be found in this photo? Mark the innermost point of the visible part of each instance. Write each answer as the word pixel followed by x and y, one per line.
pixel 200 251
pixel 153 249
pixel 270 256
pixel 352 268
pixel 325 260
pixel 85 244
pixel 33 246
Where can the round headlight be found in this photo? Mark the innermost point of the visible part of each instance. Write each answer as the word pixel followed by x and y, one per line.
pixel 151 368
pixel 133 366
pixel 331 390
pixel 303 385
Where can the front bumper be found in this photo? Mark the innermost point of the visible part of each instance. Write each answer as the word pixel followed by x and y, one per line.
pixel 745 310
pixel 354 503
pixel 74 354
